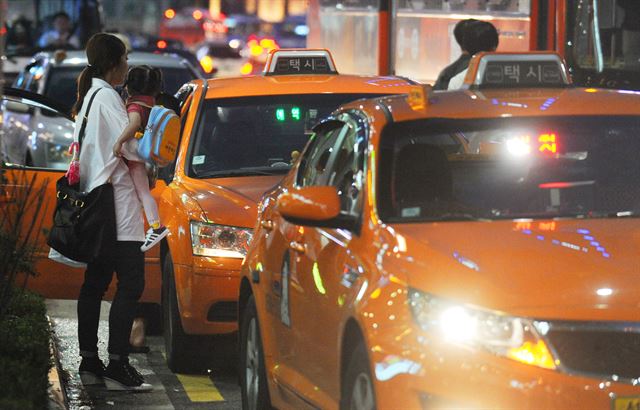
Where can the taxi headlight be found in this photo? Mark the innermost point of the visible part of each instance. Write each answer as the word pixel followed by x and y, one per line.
pixel 512 337
pixel 219 240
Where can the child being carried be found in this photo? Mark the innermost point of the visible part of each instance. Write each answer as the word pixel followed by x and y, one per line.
pixel 143 84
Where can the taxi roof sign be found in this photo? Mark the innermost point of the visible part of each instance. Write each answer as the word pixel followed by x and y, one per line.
pixel 517 70
pixel 299 61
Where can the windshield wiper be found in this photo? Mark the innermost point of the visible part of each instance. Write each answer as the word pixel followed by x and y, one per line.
pixel 455 217
pixel 243 172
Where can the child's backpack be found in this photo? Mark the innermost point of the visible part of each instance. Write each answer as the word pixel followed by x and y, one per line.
pixel 159 142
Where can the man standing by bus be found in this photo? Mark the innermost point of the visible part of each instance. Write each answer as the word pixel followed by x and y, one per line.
pixel 461 64
pixel 478 36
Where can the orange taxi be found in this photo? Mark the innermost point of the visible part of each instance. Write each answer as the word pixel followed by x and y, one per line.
pixel 469 249
pixel 239 138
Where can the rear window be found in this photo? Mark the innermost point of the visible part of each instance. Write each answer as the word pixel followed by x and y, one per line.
pixel 62 85
pixel 174 78
pixel 62 82
pixel 257 135
pixel 449 170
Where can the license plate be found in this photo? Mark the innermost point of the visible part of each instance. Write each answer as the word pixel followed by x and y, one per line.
pixel 626 403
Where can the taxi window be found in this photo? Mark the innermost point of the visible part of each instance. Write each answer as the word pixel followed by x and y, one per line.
pixel 62 85
pixel 347 173
pixel 33 135
pixel 174 78
pixel 580 167
pixel 257 135
pixel 316 167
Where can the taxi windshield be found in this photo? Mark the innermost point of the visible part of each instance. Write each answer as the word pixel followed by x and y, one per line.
pixel 510 168
pixel 258 135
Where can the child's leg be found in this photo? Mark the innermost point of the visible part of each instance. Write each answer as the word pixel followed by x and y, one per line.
pixel 141 183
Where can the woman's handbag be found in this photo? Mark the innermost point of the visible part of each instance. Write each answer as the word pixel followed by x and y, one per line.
pixel 84 223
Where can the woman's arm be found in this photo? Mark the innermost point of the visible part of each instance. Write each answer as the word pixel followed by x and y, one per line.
pixel 130 130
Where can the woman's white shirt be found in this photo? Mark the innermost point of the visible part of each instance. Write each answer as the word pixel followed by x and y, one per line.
pixel 106 120
pixel 456 82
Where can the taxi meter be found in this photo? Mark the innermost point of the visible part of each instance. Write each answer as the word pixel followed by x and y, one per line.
pixel 519 70
pixel 299 61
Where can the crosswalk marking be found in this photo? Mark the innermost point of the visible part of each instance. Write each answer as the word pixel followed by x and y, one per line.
pixel 199 388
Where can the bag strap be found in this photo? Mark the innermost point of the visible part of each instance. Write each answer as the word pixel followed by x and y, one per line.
pixel 140 104
pixel 84 119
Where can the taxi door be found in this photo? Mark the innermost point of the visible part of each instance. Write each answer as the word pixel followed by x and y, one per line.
pixel 28 188
pixel 35 136
pixel 324 266
pixel 288 316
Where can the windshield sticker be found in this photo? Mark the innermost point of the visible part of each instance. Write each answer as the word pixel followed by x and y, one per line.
pixel 410 212
pixel 198 160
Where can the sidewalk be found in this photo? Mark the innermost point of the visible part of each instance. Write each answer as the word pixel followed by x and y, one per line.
pixel 63 316
pixel 170 391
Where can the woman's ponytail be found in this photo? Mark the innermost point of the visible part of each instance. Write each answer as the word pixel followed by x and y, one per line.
pixel 84 84
pixel 104 52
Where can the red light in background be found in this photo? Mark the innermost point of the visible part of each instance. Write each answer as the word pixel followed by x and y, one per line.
pixel 169 13
pixel 547 143
pixel 161 44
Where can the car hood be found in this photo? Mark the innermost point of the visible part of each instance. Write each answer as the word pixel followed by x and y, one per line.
pixel 232 201
pixel 571 269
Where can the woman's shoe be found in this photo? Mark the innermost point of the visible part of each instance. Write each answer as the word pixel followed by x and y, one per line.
pixel 91 371
pixel 120 375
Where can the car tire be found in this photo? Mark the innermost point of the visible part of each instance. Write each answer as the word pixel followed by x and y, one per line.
pixel 184 352
pixel 253 376
pixel 358 392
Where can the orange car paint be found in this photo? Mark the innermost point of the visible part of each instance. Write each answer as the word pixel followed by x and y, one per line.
pixel 203 281
pixel 304 358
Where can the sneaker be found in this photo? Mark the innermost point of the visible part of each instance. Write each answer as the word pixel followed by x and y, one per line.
pixel 91 371
pixel 120 375
pixel 153 237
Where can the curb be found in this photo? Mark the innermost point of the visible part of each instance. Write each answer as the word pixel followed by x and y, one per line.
pixel 57 391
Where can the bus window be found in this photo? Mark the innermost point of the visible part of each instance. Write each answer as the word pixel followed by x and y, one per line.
pixel 489 6
pixel 358 4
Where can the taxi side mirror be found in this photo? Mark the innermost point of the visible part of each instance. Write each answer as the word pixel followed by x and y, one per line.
pixel 314 206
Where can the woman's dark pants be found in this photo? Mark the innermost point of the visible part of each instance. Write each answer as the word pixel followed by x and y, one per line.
pixel 128 263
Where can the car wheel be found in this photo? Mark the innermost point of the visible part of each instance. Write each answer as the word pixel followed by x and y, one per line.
pixel 358 392
pixel 253 377
pixel 181 348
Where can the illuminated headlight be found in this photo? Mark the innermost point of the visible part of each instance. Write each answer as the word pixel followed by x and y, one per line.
pixel 219 240
pixel 503 335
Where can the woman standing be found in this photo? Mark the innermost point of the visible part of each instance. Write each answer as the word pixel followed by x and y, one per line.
pixel 106 119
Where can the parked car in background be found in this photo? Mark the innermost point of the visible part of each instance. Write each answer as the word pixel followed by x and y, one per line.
pixel 240 27
pixel 192 25
pixel 220 58
pixel 54 75
pixel 292 32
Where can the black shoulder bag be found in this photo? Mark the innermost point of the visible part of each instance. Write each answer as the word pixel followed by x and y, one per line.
pixel 84 223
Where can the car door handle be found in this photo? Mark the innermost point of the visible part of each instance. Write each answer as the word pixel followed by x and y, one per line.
pixel 297 246
pixel 267 224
